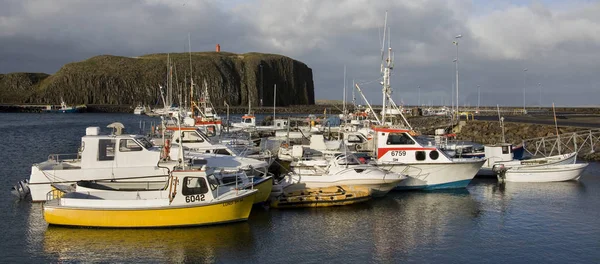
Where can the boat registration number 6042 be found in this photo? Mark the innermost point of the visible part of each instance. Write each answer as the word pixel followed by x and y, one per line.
pixel 194 198
pixel 398 152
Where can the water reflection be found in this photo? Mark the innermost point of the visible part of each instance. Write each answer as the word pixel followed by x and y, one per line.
pixel 201 244
pixel 383 230
pixel 421 219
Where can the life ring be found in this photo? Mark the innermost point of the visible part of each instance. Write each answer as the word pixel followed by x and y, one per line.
pixel 284 145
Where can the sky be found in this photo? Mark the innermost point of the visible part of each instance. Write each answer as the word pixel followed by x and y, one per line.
pixel 558 42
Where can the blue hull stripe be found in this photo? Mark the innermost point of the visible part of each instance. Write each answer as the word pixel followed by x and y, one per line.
pixel 450 185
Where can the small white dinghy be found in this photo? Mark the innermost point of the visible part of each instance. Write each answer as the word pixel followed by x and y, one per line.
pixel 550 173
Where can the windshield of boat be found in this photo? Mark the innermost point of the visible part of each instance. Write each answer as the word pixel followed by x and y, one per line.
pixel 145 142
pixel 213 182
pixel 347 159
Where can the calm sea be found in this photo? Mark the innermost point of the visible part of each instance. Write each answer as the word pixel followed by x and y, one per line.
pixel 487 222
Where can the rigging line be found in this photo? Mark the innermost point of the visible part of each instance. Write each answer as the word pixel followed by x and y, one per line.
pixel 372 81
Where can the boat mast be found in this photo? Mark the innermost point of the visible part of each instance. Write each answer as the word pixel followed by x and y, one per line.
pixel 384 71
pixel 353 96
pixel 274 101
pixel 249 106
pixel 191 79
pixel 344 97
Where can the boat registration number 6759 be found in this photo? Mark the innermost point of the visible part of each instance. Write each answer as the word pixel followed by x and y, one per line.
pixel 194 198
pixel 398 152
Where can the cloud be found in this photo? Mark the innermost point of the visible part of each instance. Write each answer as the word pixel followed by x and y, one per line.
pixel 558 43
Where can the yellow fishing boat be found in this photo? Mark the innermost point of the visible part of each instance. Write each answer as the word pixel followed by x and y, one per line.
pixel 192 198
pixel 264 186
pixel 322 197
pixel 240 180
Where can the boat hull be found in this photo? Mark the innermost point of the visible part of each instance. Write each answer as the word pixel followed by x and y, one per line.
pixel 377 181
pixel 554 173
pixel 435 176
pixel 264 187
pixel 377 188
pixel 231 210
pixel 564 159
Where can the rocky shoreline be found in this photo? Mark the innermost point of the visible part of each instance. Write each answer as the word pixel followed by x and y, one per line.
pixel 488 132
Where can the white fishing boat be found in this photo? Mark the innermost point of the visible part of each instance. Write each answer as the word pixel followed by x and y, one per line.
pixel 139 110
pixel 199 145
pixel 101 157
pixel 193 197
pixel 227 179
pixel 248 122
pixel 427 167
pixel 117 157
pixel 544 173
pixel 344 170
pixel 502 154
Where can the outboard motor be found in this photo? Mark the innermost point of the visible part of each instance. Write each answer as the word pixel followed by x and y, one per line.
pixel 21 189
pixel 499 169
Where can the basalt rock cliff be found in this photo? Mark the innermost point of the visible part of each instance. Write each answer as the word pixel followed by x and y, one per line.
pixel 231 78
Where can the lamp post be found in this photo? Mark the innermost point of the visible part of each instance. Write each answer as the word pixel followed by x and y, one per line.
pixel 456 66
pixel 478 97
pixel 524 77
pixel 419 103
pixel 540 86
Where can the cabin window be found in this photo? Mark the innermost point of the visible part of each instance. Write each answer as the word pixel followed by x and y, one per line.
pixel 211 131
pixel 126 145
pixel 222 152
pixel 145 142
pixel 192 137
pixel 420 155
pixel 194 185
pixel 399 139
pixel 505 150
pixel 248 120
pixel 213 182
pixel 434 155
pixel 354 139
pixel 106 149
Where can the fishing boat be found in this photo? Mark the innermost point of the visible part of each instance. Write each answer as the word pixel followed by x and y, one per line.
pixel 139 110
pixel 545 173
pixel 227 179
pixel 427 167
pixel 503 154
pixel 63 108
pixel 192 198
pixel 345 169
pixel 114 156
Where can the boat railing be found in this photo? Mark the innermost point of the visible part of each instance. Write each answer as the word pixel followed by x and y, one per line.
pixel 582 142
pixel 54 194
pixel 64 157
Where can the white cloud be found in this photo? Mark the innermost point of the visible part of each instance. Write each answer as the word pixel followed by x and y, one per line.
pixel 559 43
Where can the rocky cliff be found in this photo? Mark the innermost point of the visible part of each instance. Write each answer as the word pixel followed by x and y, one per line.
pixel 20 87
pixel 235 78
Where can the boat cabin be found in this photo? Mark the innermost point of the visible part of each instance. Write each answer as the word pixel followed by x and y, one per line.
pixel 195 138
pixel 248 121
pixel 398 145
pixel 111 151
pixel 498 152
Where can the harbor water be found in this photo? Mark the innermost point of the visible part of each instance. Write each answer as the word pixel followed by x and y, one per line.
pixel 485 223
